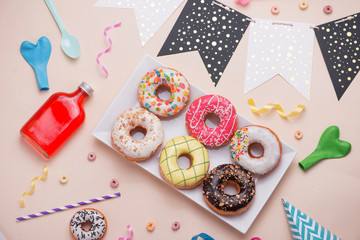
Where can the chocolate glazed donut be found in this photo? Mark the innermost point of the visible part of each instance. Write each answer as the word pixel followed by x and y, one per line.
pixel 218 200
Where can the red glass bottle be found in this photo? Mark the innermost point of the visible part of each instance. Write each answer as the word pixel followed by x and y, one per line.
pixel 56 120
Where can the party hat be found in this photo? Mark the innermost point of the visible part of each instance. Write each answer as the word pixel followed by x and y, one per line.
pixel 305 228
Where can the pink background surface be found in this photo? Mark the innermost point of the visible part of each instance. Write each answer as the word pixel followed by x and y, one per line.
pixel 328 192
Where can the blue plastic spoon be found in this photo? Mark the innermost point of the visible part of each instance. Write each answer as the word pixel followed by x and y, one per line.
pixel 69 43
pixel 38 56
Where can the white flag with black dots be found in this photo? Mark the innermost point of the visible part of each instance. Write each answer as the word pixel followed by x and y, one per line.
pixel 150 15
pixel 284 48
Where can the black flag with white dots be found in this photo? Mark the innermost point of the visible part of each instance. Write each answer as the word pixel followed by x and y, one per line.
pixel 211 28
pixel 339 42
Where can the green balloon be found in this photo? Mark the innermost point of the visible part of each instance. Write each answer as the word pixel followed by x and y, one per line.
pixel 329 146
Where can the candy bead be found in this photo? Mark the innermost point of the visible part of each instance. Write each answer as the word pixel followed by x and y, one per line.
pixel 298 134
pixel 242 2
pixel 328 9
pixel 175 225
pixel 63 179
pixel 114 183
pixel 150 226
pixel 303 5
pixel 91 156
pixel 275 10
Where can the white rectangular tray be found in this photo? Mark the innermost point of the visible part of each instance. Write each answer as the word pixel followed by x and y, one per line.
pixel 175 126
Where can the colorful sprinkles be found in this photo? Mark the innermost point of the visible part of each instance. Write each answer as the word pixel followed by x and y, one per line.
pixel 239 143
pixel 175 81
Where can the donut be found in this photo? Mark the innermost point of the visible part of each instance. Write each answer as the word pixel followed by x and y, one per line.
pixel 275 10
pixel 175 81
pixel 226 204
pixel 244 139
pixel 328 9
pixel 132 149
pixel 199 162
pixel 200 108
pixel 93 216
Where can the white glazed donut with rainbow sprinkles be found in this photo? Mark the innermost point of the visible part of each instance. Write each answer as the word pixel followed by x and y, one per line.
pixel 241 149
pixel 175 81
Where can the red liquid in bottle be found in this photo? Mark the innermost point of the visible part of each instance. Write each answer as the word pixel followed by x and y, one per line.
pixel 56 120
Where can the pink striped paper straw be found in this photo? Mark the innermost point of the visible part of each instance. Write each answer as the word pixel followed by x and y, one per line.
pixel 39 214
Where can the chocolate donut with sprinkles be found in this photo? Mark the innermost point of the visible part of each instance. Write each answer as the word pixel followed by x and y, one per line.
pixel 92 216
pixel 221 202
pixel 177 84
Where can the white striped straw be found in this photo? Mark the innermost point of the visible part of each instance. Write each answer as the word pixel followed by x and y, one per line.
pixel 68 207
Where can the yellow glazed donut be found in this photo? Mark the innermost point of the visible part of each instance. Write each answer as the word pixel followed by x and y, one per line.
pixel 199 162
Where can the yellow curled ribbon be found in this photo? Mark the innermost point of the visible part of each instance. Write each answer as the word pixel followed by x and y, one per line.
pixel 33 186
pixel 279 109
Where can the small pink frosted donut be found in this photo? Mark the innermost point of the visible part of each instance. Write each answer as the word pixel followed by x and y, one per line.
pixel 114 183
pixel 91 156
pixel 218 105
pixel 242 2
pixel 275 10
pixel 328 9
pixel 175 226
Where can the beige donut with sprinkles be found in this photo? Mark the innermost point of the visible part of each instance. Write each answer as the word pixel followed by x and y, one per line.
pixel 132 149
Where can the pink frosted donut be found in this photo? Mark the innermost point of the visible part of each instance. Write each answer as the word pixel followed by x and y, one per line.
pixel 200 108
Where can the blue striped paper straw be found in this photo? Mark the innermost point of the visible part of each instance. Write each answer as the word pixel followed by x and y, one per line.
pixel 39 214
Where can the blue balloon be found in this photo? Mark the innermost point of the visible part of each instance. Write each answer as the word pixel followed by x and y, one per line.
pixel 38 56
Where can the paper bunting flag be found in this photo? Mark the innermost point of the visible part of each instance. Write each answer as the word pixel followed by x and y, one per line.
pixel 150 15
pixel 339 42
pixel 304 228
pixel 212 29
pixel 280 48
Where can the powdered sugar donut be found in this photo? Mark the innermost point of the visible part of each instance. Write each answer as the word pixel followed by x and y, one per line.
pixel 244 139
pixel 95 218
pixel 218 105
pixel 132 149
pixel 179 88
